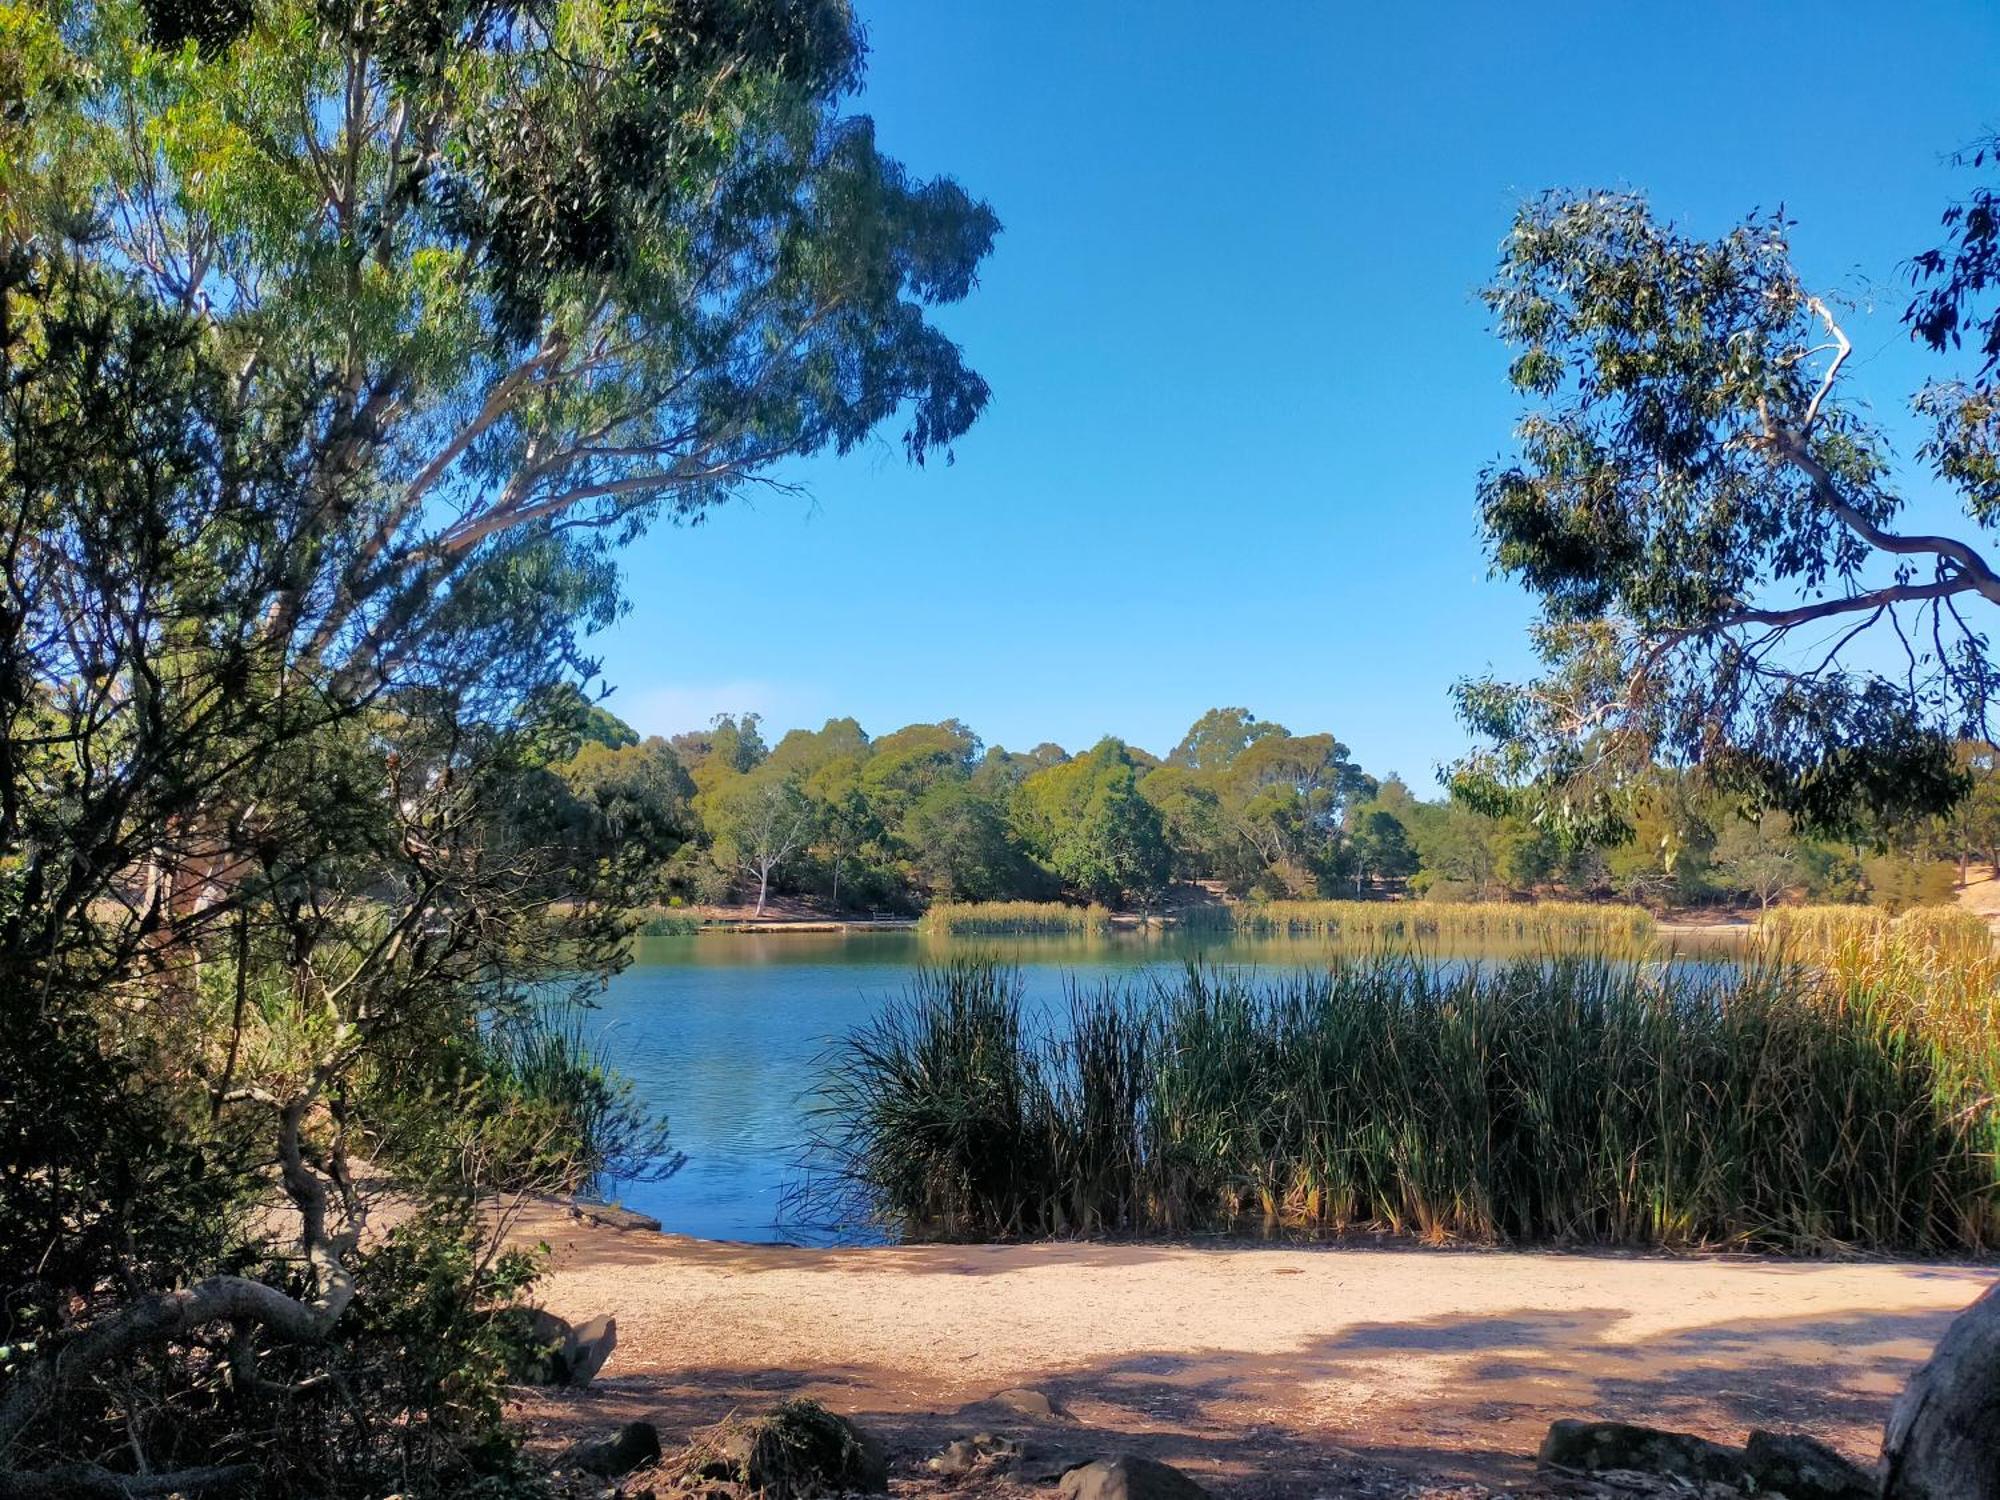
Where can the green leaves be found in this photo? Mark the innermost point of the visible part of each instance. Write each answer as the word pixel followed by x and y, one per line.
pixel 1690 492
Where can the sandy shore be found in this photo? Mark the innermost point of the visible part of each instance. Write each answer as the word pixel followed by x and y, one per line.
pixel 1237 1361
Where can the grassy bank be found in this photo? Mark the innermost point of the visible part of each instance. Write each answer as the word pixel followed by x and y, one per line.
pixel 1554 921
pixel 1551 921
pixel 1576 1100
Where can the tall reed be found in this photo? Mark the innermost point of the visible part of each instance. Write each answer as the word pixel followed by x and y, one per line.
pixel 1568 1100
pixel 1013 918
pixel 1939 929
pixel 1549 921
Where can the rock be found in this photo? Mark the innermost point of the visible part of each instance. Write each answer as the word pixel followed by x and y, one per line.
pixel 795 1452
pixel 1943 1437
pixel 980 1451
pixel 635 1445
pixel 1804 1468
pixel 1129 1477
pixel 612 1216
pixel 1031 1404
pixel 587 1349
pixel 1599 1446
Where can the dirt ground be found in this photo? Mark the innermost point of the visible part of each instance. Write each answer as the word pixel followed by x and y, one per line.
pixel 1260 1370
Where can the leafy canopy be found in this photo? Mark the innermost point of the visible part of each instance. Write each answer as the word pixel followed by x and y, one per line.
pixel 1710 524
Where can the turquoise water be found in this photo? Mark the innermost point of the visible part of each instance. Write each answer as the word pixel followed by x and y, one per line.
pixel 724 1034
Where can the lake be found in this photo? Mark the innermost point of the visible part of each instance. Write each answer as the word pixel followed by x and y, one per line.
pixel 724 1034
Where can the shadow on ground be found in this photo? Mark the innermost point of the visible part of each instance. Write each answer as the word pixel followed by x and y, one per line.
pixel 1459 1397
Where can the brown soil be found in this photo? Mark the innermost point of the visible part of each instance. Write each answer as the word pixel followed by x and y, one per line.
pixel 1266 1371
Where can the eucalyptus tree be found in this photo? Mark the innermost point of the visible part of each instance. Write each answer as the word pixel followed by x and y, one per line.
pixel 1732 577
pixel 1716 532
pixel 345 344
pixel 761 821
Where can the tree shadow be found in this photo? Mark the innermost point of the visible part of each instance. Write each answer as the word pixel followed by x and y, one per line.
pixel 1448 1397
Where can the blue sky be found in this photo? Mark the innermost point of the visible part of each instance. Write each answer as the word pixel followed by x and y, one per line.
pixel 1243 386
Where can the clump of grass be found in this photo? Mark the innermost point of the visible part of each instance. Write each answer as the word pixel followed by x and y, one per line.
pixel 670 924
pixel 1548 921
pixel 1568 1100
pixel 1013 918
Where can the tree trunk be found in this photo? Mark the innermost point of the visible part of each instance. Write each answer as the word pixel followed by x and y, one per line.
pixel 1943 1438
pixel 763 887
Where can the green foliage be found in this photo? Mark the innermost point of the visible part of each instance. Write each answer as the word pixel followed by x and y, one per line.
pixel 527 1101
pixel 1087 821
pixel 429 1345
pixel 344 344
pixel 1577 1100
pixel 1692 485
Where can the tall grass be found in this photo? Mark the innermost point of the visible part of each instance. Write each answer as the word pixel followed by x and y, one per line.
pixel 1552 921
pixel 1567 1100
pixel 1940 929
pixel 1012 918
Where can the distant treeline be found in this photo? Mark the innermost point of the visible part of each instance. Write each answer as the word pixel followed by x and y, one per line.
pixel 929 813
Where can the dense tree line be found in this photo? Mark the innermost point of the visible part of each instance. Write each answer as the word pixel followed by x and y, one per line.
pixel 931 813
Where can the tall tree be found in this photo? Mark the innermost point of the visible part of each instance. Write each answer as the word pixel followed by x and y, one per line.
pixel 761 820
pixel 1710 524
pixel 1088 822
pixel 345 343
pixel 1716 535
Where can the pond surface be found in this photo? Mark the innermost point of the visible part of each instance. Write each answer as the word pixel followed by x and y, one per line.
pixel 724 1033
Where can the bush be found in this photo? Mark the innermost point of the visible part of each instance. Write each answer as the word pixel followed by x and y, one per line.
pixel 525 1102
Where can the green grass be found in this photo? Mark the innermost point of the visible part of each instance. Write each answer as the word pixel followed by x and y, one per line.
pixel 1575 1100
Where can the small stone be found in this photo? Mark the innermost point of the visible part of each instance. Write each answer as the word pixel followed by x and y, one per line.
pixel 1031 1404
pixel 1129 1477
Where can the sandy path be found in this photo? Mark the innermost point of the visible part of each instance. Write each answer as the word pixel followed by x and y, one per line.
pixel 1226 1359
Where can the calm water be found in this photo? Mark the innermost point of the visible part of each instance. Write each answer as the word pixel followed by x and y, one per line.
pixel 723 1034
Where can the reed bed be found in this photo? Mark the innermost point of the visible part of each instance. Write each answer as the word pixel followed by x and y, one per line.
pixel 1013 918
pixel 1570 922
pixel 1940 929
pixel 1569 1100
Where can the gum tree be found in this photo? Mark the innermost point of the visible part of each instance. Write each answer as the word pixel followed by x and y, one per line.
pixel 1733 579
pixel 346 343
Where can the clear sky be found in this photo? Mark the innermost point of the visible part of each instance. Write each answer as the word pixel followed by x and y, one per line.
pixel 1243 386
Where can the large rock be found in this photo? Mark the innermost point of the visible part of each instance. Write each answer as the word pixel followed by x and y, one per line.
pixel 635 1445
pixel 1129 1477
pixel 797 1451
pixel 1803 1468
pixel 1599 1446
pixel 543 1349
pixel 1943 1437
